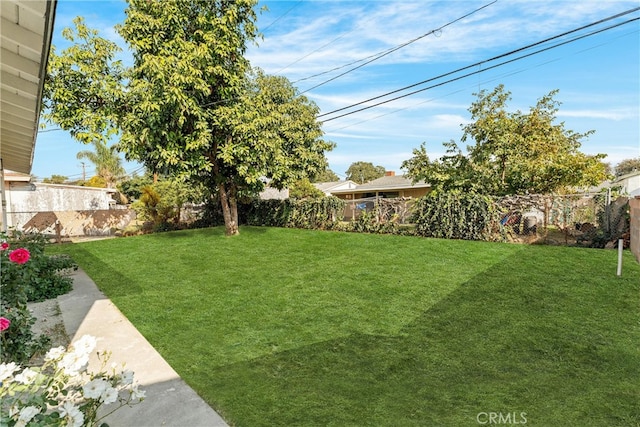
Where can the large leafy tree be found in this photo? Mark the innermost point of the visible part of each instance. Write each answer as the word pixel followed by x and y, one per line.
pixel 512 152
pixel 191 106
pixel 269 132
pixel 361 172
pixel 198 111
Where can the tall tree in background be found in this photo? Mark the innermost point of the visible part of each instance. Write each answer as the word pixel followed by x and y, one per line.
pixel 196 110
pixel 326 175
pixel 627 166
pixel 512 152
pixel 55 179
pixel 361 172
pixel 107 162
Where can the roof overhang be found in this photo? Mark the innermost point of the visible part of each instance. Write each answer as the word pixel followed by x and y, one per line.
pixel 381 188
pixel 26 29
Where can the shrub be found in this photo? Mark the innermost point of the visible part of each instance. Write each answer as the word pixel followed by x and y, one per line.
pixel 27 274
pixel 324 213
pixel 43 277
pixel 455 215
pixel 18 341
pixel 374 222
pixel 268 213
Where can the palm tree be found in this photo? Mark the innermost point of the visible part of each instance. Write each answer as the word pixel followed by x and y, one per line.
pixel 107 162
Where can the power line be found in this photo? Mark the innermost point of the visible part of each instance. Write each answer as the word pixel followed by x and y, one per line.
pixel 507 74
pixel 329 43
pixel 282 16
pixel 480 63
pixel 482 70
pixel 389 51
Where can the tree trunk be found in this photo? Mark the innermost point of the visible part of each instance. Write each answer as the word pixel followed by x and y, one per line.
pixel 229 211
pixel 233 204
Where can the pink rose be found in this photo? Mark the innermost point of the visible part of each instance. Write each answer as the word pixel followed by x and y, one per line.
pixel 4 246
pixel 19 256
pixel 4 323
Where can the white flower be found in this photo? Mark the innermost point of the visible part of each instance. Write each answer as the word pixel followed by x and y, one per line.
pixel 94 388
pixel 127 377
pixel 54 353
pixel 110 395
pixel 26 376
pixel 84 345
pixel 137 394
pixel 73 363
pixel 26 414
pixel 72 414
pixel 7 369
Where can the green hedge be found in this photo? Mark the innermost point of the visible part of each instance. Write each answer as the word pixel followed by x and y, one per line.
pixel 455 215
pixel 324 213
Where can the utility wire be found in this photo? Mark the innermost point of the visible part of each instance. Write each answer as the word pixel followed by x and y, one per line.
pixel 469 74
pixel 282 16
pixel 501 76
pixel 477 64
pixel 389 51
pixel 319 49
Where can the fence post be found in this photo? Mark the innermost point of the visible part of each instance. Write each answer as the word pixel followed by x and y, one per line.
pixel 620 244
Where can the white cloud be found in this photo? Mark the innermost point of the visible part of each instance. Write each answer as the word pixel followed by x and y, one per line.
pixel 614 114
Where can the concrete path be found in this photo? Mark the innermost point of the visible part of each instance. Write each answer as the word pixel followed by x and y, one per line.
pixel 169 400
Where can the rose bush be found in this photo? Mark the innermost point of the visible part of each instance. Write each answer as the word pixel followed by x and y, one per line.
pixel 42 277
pixel 62 392
pixel 27 274
pixel 16 336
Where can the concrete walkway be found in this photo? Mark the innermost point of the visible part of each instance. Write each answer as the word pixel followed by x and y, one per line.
pixel 169 400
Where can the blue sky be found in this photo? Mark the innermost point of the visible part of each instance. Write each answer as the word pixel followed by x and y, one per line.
pixel 598 77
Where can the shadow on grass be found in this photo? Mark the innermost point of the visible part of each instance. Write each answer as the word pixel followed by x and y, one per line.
pixel 545 350
pixel 101 272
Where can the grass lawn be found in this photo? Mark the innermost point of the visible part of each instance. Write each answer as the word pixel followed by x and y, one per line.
pixel 284 327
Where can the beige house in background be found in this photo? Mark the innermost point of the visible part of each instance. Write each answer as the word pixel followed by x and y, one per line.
pixel 388 186
pixel 362 198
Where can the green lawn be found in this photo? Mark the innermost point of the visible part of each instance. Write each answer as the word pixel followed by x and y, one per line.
pixel 283 327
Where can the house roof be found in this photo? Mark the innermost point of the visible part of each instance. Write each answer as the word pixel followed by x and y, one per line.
pixel 334 185
pixel 631 174
pixel 25 35
pixel 387 183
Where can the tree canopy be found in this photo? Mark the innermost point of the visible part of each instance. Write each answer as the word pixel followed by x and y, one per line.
pixel 326 175
pixel 84 85
pixel 56 179
pixel 191 105
pixel 511 152
pixel 627 166
pixel 361 172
